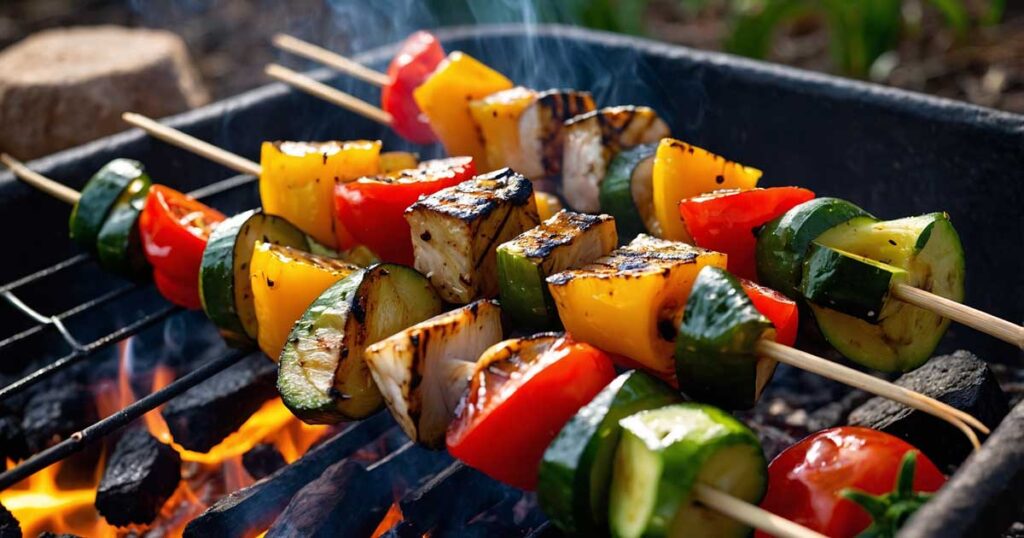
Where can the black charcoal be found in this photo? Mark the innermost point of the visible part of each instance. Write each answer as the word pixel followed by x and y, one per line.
pixel 262 460
pixel 203 416
pixel 9 526
pixel 53 415
pixel 140 476
pixel 960 380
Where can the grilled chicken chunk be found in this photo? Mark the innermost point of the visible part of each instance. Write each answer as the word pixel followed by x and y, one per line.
pixel 592 139
pixel 424 370
pixel 455 232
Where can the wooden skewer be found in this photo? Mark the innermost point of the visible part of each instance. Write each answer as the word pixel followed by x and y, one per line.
pixel 961 313
pixel 57 190
pixel 750 514
pixel 330 59
pixel 327 93
pixel 177 138
pixel 874 385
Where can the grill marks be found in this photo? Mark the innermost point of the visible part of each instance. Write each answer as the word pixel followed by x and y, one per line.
pixel 563 229
pixel 643 256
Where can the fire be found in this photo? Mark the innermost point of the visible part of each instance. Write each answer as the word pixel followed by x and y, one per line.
pixel 393 517
pixel 41 504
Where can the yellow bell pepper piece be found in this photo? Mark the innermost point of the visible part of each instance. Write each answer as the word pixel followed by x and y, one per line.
pixel 285 282
pixel 547 204
pixel 497 116
pixel 396 161
pixel 683 170
pixel 627 302
pixel 298 182
pixel 445 96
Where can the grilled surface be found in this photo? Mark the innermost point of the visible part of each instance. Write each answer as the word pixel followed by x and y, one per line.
pixel 455 232
pixel 576 237
pixel 542 130
pixel 423 370
pixel 592 139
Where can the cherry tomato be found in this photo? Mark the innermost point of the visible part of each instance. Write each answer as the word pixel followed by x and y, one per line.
pixel 725 221
pixel 779 309
pixel 371 209
pixel 415 61
pixel 805 480
pixel 518 401
pixel 174 229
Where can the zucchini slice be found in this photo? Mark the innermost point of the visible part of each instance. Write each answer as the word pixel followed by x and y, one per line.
pixel 849 283
pixel 715 360
pixel 424 370
pixel 322 376
pixel 929 249
pixel 783 243
pixel 102 192
pixel 455 232
pixel 624 302
pixel 576 470
pixel 593 139
pixel 562 242
pixel 664 453
pixel 626 192
pixel 119 243
pixel 225 287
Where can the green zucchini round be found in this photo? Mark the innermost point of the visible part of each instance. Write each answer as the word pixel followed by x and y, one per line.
pixel 100 195
pixel 783 243
pixel 576 469
pixel 715 359
pixel 322 375
pixel 119 243
pixel 626 192
pixel 664 453
pixel 928 248
pixel 851 284
pixel 225 288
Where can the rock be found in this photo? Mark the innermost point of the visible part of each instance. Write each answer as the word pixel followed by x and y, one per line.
pixel 141 475
pixel 63 87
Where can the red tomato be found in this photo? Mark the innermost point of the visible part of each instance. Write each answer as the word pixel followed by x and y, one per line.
pixel 174 229
pixel 518 402
pixel 779 309
pixel 805 481
pixel 415 61
pixel 725 220
pixel 371 209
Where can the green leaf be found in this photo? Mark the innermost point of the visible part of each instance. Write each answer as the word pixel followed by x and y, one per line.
pixel 754 27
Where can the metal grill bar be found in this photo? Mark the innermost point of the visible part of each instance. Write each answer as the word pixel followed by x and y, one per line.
pixel 80 440
pixel 80 351
pixel 84 351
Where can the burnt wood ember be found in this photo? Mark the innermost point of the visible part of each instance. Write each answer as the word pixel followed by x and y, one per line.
pixel 353 496
pixel 54 414
pixel 52 535
pixel 987 494
pixel 262 460
pixel 431 508
pixel 9 526
pixel 248 511
pixel 960 380
pixel 206 414
pixel 141 475
pixel 515 515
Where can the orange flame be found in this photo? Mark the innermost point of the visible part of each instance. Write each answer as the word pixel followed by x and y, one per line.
pixel 41 504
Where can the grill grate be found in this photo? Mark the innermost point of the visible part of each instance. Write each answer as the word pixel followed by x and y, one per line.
pixel 80 352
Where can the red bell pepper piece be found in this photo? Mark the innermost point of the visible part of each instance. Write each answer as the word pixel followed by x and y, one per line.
pixel 517 404
pixel 725 221
pixel 806 482
pixel 779 309
pixel 174 229
pixel 415 61
pixel 371 208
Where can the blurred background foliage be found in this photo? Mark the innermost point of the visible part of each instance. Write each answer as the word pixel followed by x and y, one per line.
pixel 971 50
